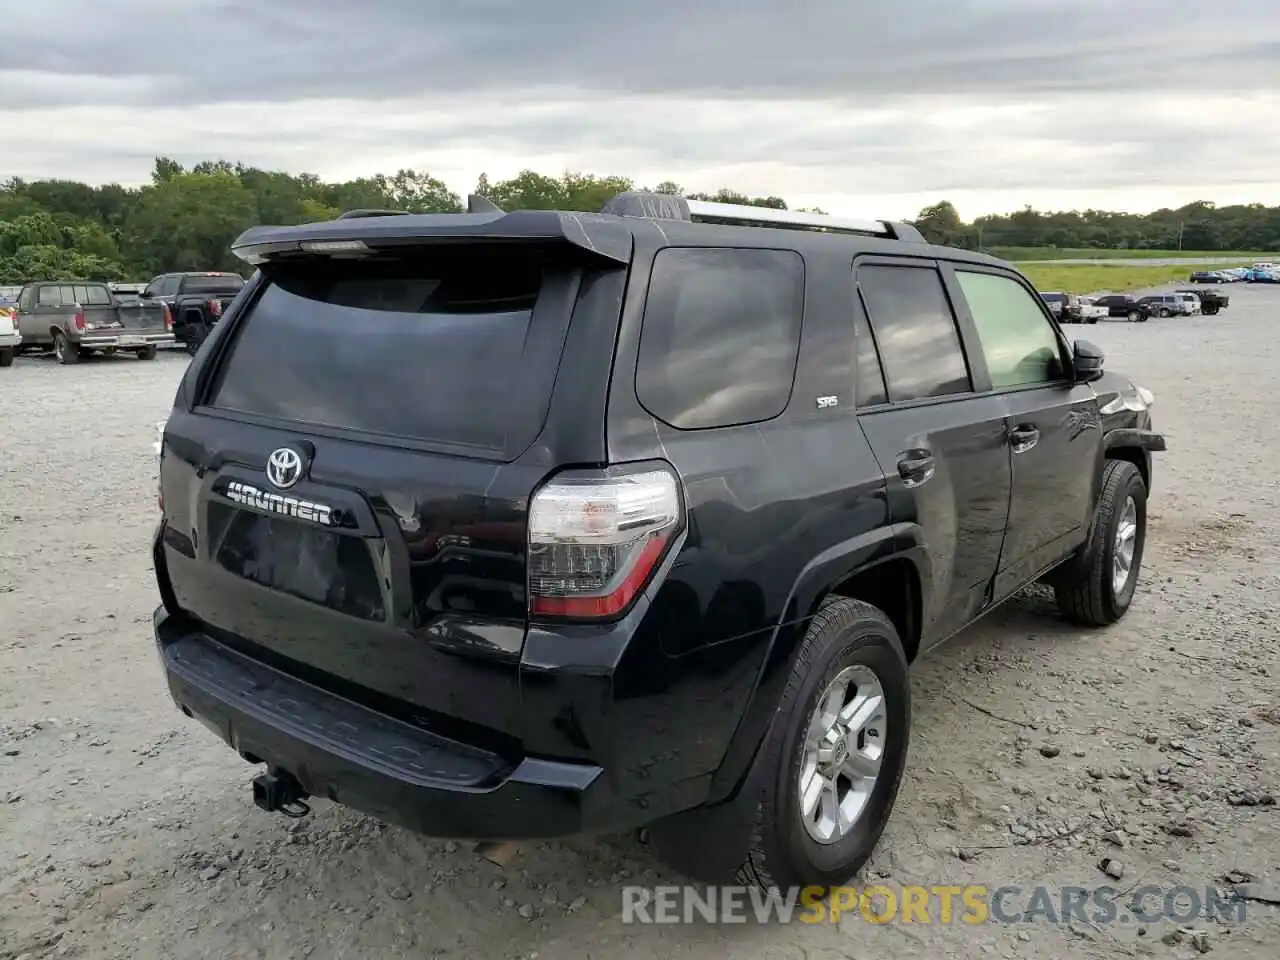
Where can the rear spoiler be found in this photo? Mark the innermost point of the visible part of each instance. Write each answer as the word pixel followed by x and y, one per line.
pixel 368 232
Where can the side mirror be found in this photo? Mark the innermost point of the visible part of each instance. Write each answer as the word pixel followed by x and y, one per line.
pixel 1086 361
pixel 146 294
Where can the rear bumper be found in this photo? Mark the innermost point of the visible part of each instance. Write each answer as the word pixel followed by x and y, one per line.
pixel 373 763
pixel 8 341
pixel 124 339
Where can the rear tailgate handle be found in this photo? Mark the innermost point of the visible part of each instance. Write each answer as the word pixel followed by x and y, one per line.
pixel 916 467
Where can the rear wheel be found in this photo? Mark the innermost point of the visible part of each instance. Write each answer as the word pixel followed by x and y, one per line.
pixel 1096 588
pixel 66 351
pixel 1164 313
pixel 836 751
pixel 147 353
pixel 6 357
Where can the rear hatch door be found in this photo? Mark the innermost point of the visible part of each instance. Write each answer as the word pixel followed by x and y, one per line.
pixel 346 495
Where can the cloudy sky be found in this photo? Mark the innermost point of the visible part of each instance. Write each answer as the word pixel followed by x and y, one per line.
pixel 864 107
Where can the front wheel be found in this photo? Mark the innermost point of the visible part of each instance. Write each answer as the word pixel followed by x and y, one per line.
pixel 66 352
pixel 1096 588
pixel 1163 314
pixel 1134 316
pixel 836 752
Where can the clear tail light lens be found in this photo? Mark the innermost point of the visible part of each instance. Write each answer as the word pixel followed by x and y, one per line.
pixel 594 541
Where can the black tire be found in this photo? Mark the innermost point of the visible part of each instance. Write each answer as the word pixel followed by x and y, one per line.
pixel 844 633
pixel 1135 316
pixel 64 350
pixel 1093 320
pixel 6 357
pixel 1085 588
pixel 147 353
pixel 1164 313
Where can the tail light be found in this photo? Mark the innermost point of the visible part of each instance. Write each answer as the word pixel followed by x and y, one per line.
pixel 215 308
pixel 168 316
pixel 79 321
pixel 596 538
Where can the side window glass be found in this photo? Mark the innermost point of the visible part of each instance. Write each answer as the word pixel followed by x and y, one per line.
pixel 915 331
pixel 720 336
pixel 50 296
pixel 1020 346
pixel 27 300
pixel 870 385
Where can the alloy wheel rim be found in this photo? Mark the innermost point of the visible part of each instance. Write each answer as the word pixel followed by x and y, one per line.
pixel 843 750
pixel 1125 546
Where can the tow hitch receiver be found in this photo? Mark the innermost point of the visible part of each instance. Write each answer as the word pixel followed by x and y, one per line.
pixel 279 791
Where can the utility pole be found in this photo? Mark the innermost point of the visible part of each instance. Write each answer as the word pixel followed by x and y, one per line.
pixel 1181 224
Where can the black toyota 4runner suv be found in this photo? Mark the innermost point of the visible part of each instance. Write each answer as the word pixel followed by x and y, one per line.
pixel 518 525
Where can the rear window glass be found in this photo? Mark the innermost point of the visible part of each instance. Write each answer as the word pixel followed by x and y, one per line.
pixel 425 349
pixel 720 337
pixel 212 284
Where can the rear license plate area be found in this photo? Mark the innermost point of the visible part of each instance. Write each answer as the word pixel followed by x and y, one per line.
pixel 326 568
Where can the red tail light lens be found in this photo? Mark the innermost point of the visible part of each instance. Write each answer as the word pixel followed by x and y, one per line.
pixel 595 541
pixel 79 321
pixel 215 308
pixel 168 316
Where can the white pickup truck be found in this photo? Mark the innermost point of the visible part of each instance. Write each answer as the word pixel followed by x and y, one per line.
pixel 9 338
pixel 1090 312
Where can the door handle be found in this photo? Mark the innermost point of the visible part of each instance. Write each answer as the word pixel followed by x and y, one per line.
pixel 1023 437
pixel 916 467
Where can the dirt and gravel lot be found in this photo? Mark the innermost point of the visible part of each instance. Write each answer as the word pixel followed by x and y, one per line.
pixel 1039 750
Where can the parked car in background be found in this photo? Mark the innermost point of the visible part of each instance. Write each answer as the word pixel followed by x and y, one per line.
pixel 1211 301
pixel 1091 311
pixel 1190 301
pixel 1165 305
pixel 10 339
pixel 195 301
pixel 1235 274
pixel 76 320
pixel 1209 276
pixel 1123 305
pixel 1262 275
pixel 1064 306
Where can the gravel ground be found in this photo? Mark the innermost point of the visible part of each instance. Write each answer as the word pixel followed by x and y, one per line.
pixel 1040 752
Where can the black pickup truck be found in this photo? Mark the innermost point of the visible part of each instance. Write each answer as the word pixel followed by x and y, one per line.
pixel 1211 301
pixel 195 301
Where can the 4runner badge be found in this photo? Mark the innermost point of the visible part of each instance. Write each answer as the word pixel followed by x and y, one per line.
pixel 251 496
pixel 284 468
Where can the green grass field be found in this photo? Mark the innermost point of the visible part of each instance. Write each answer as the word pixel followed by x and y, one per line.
pixel 1091 278
pixel 1085 253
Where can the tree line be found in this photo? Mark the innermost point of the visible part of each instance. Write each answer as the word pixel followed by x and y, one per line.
pixel 186 219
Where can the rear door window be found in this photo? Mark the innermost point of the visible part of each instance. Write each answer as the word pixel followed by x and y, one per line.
pixel 97 296
pixel 915 330
pixel 50 296
pixel 721 335
pixel 425 348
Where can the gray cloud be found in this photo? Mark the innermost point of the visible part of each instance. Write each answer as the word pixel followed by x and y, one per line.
pixel 206 51
pixel 820 99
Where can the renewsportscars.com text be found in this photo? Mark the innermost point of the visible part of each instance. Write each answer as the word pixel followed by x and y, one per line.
pixel 940 904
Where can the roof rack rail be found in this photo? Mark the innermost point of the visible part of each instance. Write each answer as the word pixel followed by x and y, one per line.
pixel 355 214
pixel 636 203
pixel 769 216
